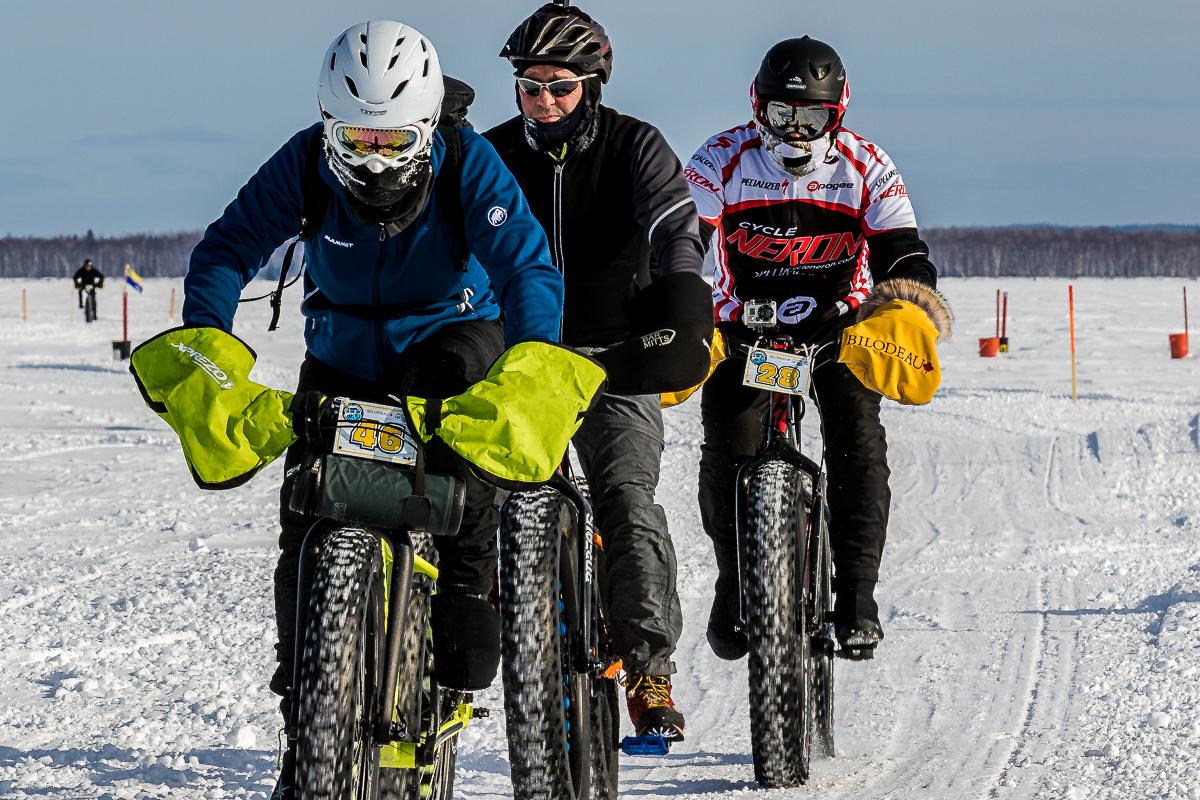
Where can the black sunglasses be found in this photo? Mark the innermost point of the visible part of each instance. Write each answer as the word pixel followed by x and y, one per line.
pixel 557 88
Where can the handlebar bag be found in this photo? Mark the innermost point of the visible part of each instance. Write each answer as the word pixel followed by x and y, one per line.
pixel 374 493
pixel 196 378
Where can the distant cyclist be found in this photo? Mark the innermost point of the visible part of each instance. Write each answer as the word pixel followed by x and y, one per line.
pixel 808 214
pixel 396 301
pixel 623 229
pixel 87 277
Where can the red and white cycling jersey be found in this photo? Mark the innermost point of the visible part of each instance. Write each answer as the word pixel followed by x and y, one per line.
pixel 799 241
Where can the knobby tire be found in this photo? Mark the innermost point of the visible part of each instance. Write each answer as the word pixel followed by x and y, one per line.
pixel 340 670
pixel 820 657
pixel 541 694
pixel 776 626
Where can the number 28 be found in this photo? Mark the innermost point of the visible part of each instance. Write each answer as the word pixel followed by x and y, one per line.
pixel 772 375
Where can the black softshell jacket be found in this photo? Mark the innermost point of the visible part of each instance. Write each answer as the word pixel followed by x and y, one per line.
pixel 618 215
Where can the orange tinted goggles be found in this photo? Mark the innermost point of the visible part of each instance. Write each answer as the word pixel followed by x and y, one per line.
pixel 384 142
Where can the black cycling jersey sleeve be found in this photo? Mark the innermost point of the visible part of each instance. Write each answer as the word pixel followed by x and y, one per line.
pixel 662 205
pixel 706 232
pixel 900 253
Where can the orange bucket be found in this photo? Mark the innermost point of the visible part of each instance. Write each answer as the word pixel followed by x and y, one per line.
pixel 989 347
pixel 1179 345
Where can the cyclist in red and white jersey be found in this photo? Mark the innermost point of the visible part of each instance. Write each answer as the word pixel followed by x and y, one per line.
pixel 808 214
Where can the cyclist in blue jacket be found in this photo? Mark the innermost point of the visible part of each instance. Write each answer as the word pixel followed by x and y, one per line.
pixel 394 303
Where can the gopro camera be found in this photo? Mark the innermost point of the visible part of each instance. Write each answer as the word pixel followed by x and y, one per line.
pixel 759 315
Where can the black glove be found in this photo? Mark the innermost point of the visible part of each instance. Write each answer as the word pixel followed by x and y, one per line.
pixel 466 641
pixel 673 330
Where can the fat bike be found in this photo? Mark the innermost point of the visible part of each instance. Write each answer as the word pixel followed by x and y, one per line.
pixel 560 693
pixel 370 718
pixel 89 303
pixel 785 568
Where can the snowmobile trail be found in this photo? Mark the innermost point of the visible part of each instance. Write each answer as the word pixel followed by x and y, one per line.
pixel 1040 588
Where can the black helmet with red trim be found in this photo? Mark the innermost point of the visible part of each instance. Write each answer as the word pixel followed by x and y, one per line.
pixel 561 34
pixel 801 71
pixel 800 96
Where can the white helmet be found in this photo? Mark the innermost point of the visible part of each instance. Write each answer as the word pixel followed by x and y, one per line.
pixel 379 76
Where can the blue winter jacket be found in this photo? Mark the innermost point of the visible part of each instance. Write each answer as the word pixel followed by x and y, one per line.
pixel 349 265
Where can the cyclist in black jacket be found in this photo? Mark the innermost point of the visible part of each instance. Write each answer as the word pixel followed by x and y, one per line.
pixel 87 276
pixel 624 232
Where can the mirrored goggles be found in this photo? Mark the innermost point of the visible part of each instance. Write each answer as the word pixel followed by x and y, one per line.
pixel 557 88
pixel 810 121
pixel 383 142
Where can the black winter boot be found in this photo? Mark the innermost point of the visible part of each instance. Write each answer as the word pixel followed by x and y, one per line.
pixel 285 786
pixel 466 641
pixel 726 631
pixel 856 620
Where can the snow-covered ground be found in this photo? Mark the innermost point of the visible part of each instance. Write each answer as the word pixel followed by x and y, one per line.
pixel 1041 590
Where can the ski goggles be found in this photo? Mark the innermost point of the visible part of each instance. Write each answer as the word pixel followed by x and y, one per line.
pixel 809 121
pixel 387 143
pixel 557 88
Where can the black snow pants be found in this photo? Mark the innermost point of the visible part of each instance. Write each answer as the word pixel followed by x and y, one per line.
pixel 734 418
pixel 620 446
pixel 443 365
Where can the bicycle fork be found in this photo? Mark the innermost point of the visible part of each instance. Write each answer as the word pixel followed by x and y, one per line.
pixel 386 730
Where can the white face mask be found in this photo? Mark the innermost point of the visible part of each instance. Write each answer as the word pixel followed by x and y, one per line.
pixel 796 158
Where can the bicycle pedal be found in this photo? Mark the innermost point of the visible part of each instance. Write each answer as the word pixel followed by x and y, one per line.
pixel 862 653
pixel 653 745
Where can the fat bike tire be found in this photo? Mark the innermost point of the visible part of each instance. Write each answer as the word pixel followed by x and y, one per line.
pixel 820 671
pixel 341 670
pixel 415 686
pixel 606 739
pixel 546 704
pixel 780 699
pixel 89 307
pixel 820 656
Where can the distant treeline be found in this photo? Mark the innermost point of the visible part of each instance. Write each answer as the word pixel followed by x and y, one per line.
pixel 1064 252
pixel 958 252
pixel 153 255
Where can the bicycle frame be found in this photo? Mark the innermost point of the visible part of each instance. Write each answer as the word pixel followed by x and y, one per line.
pixel 586 658
pixel 782 443
pixel 401 564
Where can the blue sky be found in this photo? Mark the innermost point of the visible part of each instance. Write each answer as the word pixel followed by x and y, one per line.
pixel 131 116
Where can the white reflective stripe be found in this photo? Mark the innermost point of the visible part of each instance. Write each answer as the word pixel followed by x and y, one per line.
pixel 901 258
pixel 310 294
pixel 668 212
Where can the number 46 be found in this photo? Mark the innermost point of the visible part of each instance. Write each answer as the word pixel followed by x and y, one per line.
pixel 369 435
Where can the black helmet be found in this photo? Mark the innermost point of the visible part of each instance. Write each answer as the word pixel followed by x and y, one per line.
pixel 87 262
pixel 802 70
pixel 561 34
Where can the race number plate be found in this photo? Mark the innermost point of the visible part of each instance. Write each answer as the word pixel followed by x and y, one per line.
pixel 776 371
pixel 377 432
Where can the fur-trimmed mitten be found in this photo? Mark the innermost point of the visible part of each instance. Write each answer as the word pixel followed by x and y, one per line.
pixel 924 297
pixel 891 348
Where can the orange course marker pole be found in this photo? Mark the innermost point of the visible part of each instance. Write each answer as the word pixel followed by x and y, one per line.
pixel 171 316
pixel 1071 302
pixel 1185 324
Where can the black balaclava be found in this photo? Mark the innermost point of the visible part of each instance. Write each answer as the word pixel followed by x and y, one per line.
pixel 572 134
pixel 393 197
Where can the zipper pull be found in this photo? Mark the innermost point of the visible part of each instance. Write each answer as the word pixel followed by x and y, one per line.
pixel 382 232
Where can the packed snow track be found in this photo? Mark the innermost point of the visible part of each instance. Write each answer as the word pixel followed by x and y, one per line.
pixel 1040 592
